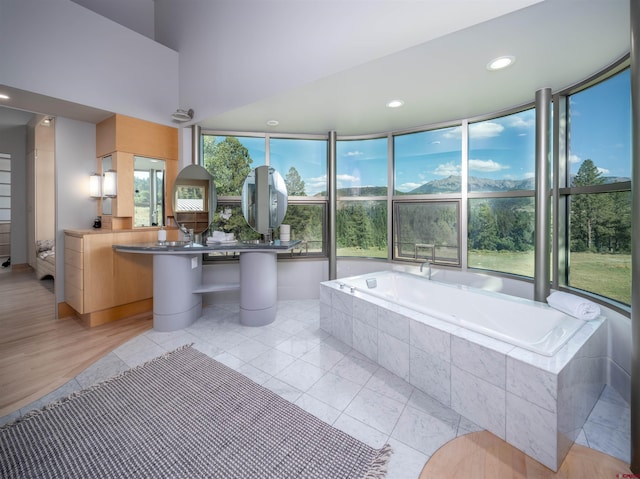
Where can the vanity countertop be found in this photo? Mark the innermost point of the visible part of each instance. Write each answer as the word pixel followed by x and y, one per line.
pixel 171 248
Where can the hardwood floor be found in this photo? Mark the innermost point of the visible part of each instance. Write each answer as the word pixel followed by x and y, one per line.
pixel 482 455
pixel 38 353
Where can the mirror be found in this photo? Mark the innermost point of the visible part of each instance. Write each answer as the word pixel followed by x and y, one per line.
pixel 194 198
pixel 148 192
pixel 264 199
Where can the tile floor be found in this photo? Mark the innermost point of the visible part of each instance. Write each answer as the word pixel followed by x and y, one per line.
pixel 297 360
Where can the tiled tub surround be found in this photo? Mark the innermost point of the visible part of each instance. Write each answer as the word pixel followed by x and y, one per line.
pixel 536 403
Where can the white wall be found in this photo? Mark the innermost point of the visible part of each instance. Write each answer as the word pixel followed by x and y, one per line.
pixel 63 50
pixel 75 151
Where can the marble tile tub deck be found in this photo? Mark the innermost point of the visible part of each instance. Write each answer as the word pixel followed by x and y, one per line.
pixel 331 380
pixel 536 403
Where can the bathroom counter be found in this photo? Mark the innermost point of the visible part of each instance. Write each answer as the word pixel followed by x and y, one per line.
pixel 170 247
pixel 178 286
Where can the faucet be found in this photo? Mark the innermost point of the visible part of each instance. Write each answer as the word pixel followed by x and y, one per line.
pixel 187 233
pixel 428 262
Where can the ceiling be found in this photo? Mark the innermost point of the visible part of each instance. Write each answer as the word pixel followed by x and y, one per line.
pixel 556 43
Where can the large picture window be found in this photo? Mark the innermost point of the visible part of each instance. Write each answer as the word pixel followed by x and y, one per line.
pixel 361 213
pixel 599 189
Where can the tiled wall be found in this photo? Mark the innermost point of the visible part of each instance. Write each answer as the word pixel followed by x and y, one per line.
pixel 536 403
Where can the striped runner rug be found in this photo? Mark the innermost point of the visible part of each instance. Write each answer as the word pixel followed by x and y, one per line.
pixel 182 415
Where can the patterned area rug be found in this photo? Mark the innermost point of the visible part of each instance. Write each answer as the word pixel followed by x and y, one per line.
pixel 182 415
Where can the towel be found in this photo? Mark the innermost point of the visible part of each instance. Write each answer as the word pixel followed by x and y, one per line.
pixel 574 305
pixel 216 237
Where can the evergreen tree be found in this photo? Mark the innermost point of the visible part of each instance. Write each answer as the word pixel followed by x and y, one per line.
pixel 586 209
pixel 229 163
pixel 295 184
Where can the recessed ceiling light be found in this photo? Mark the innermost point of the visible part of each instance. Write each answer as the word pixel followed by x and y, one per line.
pixel 273 122
pixel 500 63
pixel 395 103
pixel 3 96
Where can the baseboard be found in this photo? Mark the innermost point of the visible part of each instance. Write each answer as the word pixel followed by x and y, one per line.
pixel 21 267
pixel 137 308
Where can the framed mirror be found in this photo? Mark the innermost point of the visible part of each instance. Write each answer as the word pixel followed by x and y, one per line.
pixel 194 198
pixel 264 199
pixel 148 192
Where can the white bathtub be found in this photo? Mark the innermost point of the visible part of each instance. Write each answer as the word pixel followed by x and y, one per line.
pixel 527 324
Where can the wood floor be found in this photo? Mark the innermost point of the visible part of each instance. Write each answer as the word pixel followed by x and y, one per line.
pixel 38 353
pixel 482 455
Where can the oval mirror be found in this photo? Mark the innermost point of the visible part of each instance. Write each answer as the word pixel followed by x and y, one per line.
pixel 194 198
pixel 264 199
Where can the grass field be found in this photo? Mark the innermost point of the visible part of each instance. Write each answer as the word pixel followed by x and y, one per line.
pixel 608 275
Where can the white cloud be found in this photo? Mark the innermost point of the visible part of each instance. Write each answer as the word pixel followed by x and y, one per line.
pixel 447 169
pixel 485 129
pixel 519 122
pixel 603 171
pixel 486 166
pixel 348 178
pixel 574 159
pixel 454 133
pixel 530 174
pixel 353 153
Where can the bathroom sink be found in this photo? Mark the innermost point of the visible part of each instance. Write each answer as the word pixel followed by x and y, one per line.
pixel 173 243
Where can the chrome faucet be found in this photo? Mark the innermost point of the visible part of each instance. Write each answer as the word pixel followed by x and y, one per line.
pixel 187 233
pixel 428 262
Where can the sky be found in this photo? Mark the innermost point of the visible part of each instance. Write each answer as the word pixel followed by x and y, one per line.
pixel 500 148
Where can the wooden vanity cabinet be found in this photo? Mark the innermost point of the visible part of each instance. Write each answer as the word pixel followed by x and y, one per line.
pixel 102 285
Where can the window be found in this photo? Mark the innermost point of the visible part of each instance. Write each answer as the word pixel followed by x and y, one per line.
pixel 501 235
pixel 427 230
pixel 599 188
pixel 428 162
pixel 302 162
pixel 502 153
pixel 501 182
pixel 361 212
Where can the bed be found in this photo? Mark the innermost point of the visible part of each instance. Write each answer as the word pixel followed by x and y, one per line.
pixel 45 258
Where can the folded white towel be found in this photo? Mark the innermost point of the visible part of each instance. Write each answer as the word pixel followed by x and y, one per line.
pixel 216 236
pixel 574 305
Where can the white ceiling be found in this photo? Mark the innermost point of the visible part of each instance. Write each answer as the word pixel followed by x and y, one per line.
pixel 432 56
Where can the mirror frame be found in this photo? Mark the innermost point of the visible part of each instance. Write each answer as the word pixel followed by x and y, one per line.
pixel 264 199
pixel 198 176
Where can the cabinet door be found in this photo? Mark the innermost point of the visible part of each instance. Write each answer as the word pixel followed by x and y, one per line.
pixel 73 272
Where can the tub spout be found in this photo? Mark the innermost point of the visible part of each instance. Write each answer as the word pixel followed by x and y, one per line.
pixel 428 262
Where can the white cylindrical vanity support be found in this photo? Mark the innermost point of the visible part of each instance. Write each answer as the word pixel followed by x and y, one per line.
pixel 258 287
pixel 175 277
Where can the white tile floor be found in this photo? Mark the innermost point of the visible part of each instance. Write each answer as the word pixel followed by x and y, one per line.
pixel 297 360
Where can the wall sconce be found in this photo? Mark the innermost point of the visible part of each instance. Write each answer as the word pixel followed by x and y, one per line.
pixel 109 184
pixel 95 186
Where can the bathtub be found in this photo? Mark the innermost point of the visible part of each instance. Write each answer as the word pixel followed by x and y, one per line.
pixel 523 323
pixel 522 370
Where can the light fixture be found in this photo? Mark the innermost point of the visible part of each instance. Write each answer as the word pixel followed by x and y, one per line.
pixel 46 121
pixel 95 186
pixel 500 63
pixel 182 115
pixel 395 104
pixel 273 122
pixel 4 96
pixel 110 184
